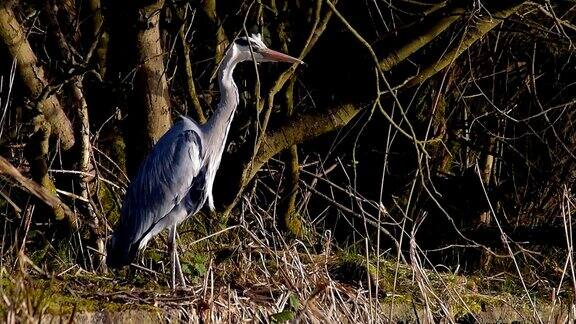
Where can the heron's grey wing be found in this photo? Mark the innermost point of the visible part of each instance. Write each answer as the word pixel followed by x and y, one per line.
pixel 163 180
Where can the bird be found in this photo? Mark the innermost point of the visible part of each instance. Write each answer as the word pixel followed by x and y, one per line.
pixel 176 178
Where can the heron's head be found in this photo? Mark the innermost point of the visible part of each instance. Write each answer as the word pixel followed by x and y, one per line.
pixel 262 53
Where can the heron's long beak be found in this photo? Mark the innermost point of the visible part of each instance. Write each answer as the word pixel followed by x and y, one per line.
pixel 278 57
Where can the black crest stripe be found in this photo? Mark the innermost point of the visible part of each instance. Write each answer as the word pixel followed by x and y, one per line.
pixel 242 41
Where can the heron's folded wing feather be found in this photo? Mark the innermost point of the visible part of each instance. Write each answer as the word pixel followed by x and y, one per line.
pixel 163 180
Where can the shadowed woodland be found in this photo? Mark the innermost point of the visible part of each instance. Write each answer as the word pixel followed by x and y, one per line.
pixel 421 138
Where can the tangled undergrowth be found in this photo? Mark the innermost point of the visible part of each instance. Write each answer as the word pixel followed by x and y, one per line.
pixel 425 173
pixel 246 272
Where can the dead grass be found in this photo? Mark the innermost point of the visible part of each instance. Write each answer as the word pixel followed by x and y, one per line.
pixel 263 278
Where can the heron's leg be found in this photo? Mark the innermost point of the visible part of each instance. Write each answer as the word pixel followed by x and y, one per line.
pixel 175 259
pixel 179 269
pixel 172 251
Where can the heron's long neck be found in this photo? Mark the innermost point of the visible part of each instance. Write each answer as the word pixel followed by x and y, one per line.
pixel 219 124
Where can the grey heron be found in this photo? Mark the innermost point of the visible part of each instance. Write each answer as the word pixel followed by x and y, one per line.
pixel 176 178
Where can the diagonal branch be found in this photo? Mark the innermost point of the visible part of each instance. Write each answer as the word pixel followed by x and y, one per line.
pixel 301 128
pixel 61 211
pixel 421 35
pixel 484 25
pixel 32 76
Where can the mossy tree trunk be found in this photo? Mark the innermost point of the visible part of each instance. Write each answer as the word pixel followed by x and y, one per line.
pixel 101 36
pixel 209 8
pixel 51 120
pixel 190 82
pixel 291 220
pixel 37 153
pixel 33 77
pixel 422 34
pixel 149 112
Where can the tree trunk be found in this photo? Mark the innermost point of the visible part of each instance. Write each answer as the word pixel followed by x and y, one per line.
pixel 32 76
pixel 191 87
pixel 149 113
pixel 291 219
pixel 36 153
pixel 100 35
pixel 209 8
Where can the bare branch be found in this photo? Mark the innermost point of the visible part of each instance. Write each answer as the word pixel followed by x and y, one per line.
pixel 484 25
pixel 421 35
pixel 61 211
pixel 192 93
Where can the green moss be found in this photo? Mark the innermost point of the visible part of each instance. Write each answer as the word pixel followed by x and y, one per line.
pixel 38 256
pixel 57 304
pixel 389 272
pixel 354 267
pixel 110 206
pixel 62 297
pixel 118 150
pixel 3 203
pixel 465 295
pixel 154 255
pixel 196 265
pixel 4 282
pixel 295 225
